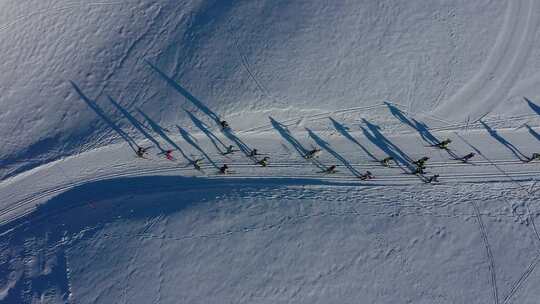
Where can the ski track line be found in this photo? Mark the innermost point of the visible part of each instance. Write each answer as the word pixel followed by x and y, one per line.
pixel 277 164
pixel 447 127
pixel 502 62
pixel 245 64
pixel 491 260
pixel 326 115
pixel 49 12
pixel 291 121
pixel 410 180
pixel 517 285
pixel 140 172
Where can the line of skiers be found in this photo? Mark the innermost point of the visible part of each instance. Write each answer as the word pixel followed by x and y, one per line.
pixel 420 164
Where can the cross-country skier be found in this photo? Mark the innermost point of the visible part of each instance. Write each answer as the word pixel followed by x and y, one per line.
pixel 224 169
pixel 366 175
pixel 197 163
pixel 534 156
pixel 418 170
pixel 263 162
pixel 386 161
pixel 467 157
pixel 141 151
pixel 421 163
pixel 433 179
pixel 230 149
pixel 224 124
pixel 313 153
pixel 253 153
pixel 168 155
pixel 331 169
pixel 444 144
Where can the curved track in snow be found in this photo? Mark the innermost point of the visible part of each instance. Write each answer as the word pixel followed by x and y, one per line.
pixel 490 86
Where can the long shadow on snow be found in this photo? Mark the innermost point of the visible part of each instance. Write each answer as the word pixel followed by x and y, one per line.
pixel 161 132
pixel 193 142
pixel 200 105
pixel 136 123
pixel 86 203
pixel 344 131
pixel 89 207
pixel 220 146
pixel 533 132
pixel 374 134
pixel 420 127
pixel 325 145
pixel 532 105
pixel 229 133
pixel 506 143
pixel 286 134
pixel 101 113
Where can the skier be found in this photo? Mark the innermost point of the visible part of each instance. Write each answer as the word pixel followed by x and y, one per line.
pixel 535 156
pixel 331 169
pixel 263 162
pixel 433 179
pixel 421 163
pixel 467 157
pixel 444 144
pixel 253 153
pixel 418 170
pixel 224 124
pixel 366 175
pixel 197 163
pixel 313 153
pixel 230 149
pixel 141 151
pixel 168 155
pixel 224 169
pixel 386 161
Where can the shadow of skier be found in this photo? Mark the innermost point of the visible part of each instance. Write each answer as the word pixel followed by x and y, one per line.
pixel 201 106
pixel 325 145
pixel 218 144
pixel 343 130
pixel 532 105
pixel 101 113
pixel 196 102
pixel 376 137
pixel 193 142
pixel 161 132
pixel 286 134
pixel 506 143
pixel 420 127
pixel 532 132
pixel 136 123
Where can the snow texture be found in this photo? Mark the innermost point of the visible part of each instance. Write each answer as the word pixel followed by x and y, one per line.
pixel 85 84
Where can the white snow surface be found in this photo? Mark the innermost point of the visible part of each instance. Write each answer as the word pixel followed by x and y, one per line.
pixel 83 220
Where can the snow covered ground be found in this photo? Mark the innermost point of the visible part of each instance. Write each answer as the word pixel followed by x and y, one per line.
pixel 83 220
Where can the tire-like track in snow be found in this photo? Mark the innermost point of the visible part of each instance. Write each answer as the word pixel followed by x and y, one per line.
pixel 491 260
pixel 517 285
